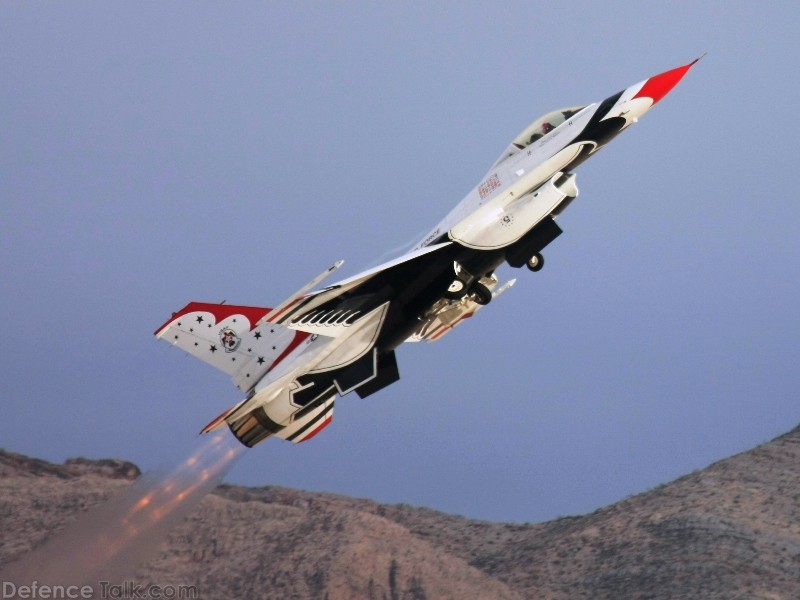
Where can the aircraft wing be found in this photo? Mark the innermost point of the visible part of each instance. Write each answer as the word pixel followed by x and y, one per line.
pixel 247 341
pixel 331 310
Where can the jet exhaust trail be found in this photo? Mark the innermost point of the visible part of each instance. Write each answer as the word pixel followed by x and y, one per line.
pixel 110 541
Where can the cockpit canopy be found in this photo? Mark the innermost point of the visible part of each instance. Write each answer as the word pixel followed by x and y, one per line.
pixel 544 125
pixel 538 129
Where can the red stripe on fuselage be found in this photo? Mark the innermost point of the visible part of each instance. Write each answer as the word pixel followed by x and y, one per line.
pixel 322 426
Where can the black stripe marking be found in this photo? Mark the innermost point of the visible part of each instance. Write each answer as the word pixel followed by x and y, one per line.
pixel 294 310
pixel 310 424
pixel 261 416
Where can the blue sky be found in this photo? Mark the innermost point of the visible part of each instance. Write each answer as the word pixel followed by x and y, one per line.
pixel 152 154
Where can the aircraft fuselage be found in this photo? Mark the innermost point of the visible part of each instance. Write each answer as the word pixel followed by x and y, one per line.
pixel 292 361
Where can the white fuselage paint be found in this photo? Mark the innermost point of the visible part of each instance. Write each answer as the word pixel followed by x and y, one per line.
pixel 520 192
pixel 505 219
pixel 521 173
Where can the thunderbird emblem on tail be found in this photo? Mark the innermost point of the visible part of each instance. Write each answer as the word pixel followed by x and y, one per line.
pixel 292 361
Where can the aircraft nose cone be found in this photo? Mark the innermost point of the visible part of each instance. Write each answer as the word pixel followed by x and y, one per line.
pixel 660 85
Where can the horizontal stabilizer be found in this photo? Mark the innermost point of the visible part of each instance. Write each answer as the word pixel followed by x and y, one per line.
pixel 219 422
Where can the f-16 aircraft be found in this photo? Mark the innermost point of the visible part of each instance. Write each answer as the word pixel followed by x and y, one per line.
pixel 293 360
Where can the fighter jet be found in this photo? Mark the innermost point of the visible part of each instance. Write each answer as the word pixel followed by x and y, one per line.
pixel 292 361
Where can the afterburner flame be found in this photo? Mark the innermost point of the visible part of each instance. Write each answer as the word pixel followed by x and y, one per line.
pixel 111 540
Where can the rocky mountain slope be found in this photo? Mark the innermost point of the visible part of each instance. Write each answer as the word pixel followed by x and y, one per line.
pixel 731 530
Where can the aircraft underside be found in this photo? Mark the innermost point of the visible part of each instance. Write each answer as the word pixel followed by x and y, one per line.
pixel 292 361
pixel 411 292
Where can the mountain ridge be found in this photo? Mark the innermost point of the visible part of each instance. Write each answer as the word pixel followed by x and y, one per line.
pixel 731 530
